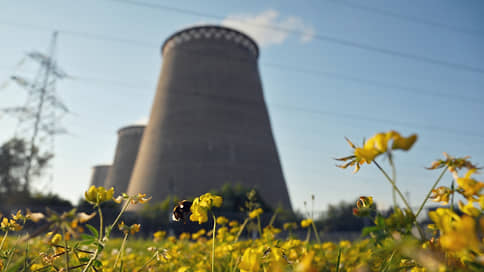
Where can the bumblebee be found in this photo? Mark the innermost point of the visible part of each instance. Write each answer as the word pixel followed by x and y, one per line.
pixel 181 211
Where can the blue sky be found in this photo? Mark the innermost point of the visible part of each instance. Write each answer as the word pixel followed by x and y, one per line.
pixel 317 90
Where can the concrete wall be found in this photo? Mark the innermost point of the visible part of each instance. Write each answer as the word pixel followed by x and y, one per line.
pixel 209 124
pixel 129 139
pixel 99 175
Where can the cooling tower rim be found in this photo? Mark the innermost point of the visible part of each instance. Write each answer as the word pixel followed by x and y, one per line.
pixel 131 127
pixel 251 44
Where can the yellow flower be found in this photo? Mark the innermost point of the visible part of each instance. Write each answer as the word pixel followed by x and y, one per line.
pixel 159 235
pixel 366 154
pixel 461 235
pixel 443 218
pixel 199 213
pixel 441 194
pixel 375 146
pixel 306 263
pixel 18 216
pixel 183 269
pixel 36 267
pixel 469 209
pixel 134 228
pixel 470 187
pixel 97 195
pixel 234 223
pixel 91 194
pixel 9 225
pixel 255 213
pixel 453 164
pixel 481 202
pixel 290 226
pixel 222 220
pixel 56 239
pixel 306 223
pixel 404 143
pixel 140 198
pixel 250 261
pixel 201 205
pixel 198 234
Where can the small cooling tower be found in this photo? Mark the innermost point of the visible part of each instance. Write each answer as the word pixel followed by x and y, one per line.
pixel 129 138
pixel 99 175
pixel 209 123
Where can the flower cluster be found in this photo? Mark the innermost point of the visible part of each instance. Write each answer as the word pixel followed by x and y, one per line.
pixel 453 242
pixel 129 229
pixel 379 144
pixel 201 205
pixel 97 195
pixel 452 163
pixel 255 213
pixel 306 223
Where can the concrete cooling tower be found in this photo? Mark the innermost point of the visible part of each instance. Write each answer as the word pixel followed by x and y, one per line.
pixel 99 175
pixel 209 124
pixel 129 139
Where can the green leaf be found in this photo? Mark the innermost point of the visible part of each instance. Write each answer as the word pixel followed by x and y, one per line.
pixel 367 230
pixel 93 230
pixel 97 264
pixel 84 259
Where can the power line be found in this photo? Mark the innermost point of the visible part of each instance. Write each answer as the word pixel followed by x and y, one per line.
pixel 308 110
pixel 407 18
pixel 321 37
pixel 345 77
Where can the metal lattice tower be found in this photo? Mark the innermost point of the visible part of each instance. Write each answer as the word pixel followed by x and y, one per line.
pixel 38 118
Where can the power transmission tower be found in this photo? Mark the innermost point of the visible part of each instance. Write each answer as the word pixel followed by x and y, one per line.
pixel 38 118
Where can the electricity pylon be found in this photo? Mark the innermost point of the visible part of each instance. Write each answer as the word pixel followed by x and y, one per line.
pixel 38 118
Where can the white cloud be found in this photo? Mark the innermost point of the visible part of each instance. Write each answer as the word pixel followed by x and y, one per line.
pixel 141 121
pixel 268 28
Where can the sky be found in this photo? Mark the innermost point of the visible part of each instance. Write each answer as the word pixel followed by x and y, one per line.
pixel 346 68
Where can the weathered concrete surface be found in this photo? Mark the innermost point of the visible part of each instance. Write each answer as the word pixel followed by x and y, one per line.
pixel 209 124
pixel 129 139
pixel 99 175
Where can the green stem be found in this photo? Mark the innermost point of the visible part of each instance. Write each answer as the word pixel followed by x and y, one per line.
pixel 98 246
pixel 394 186
pixel 10 255
pixel 118 217
pixel 213 241
pixel 420 230
pixel 430 192
pixel 26 260
pixel 66 249
pixel 308 235
pixel 339 260
pixel 259 227
pixel 3 239
pixel 121 251
pixel 149 261
pixel 242 227
pixel 394 178
pixel 316 233
pixel 273 218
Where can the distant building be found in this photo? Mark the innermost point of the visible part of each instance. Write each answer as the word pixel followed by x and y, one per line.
pixel 209 124
pixel 129 139
pixel 99 175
